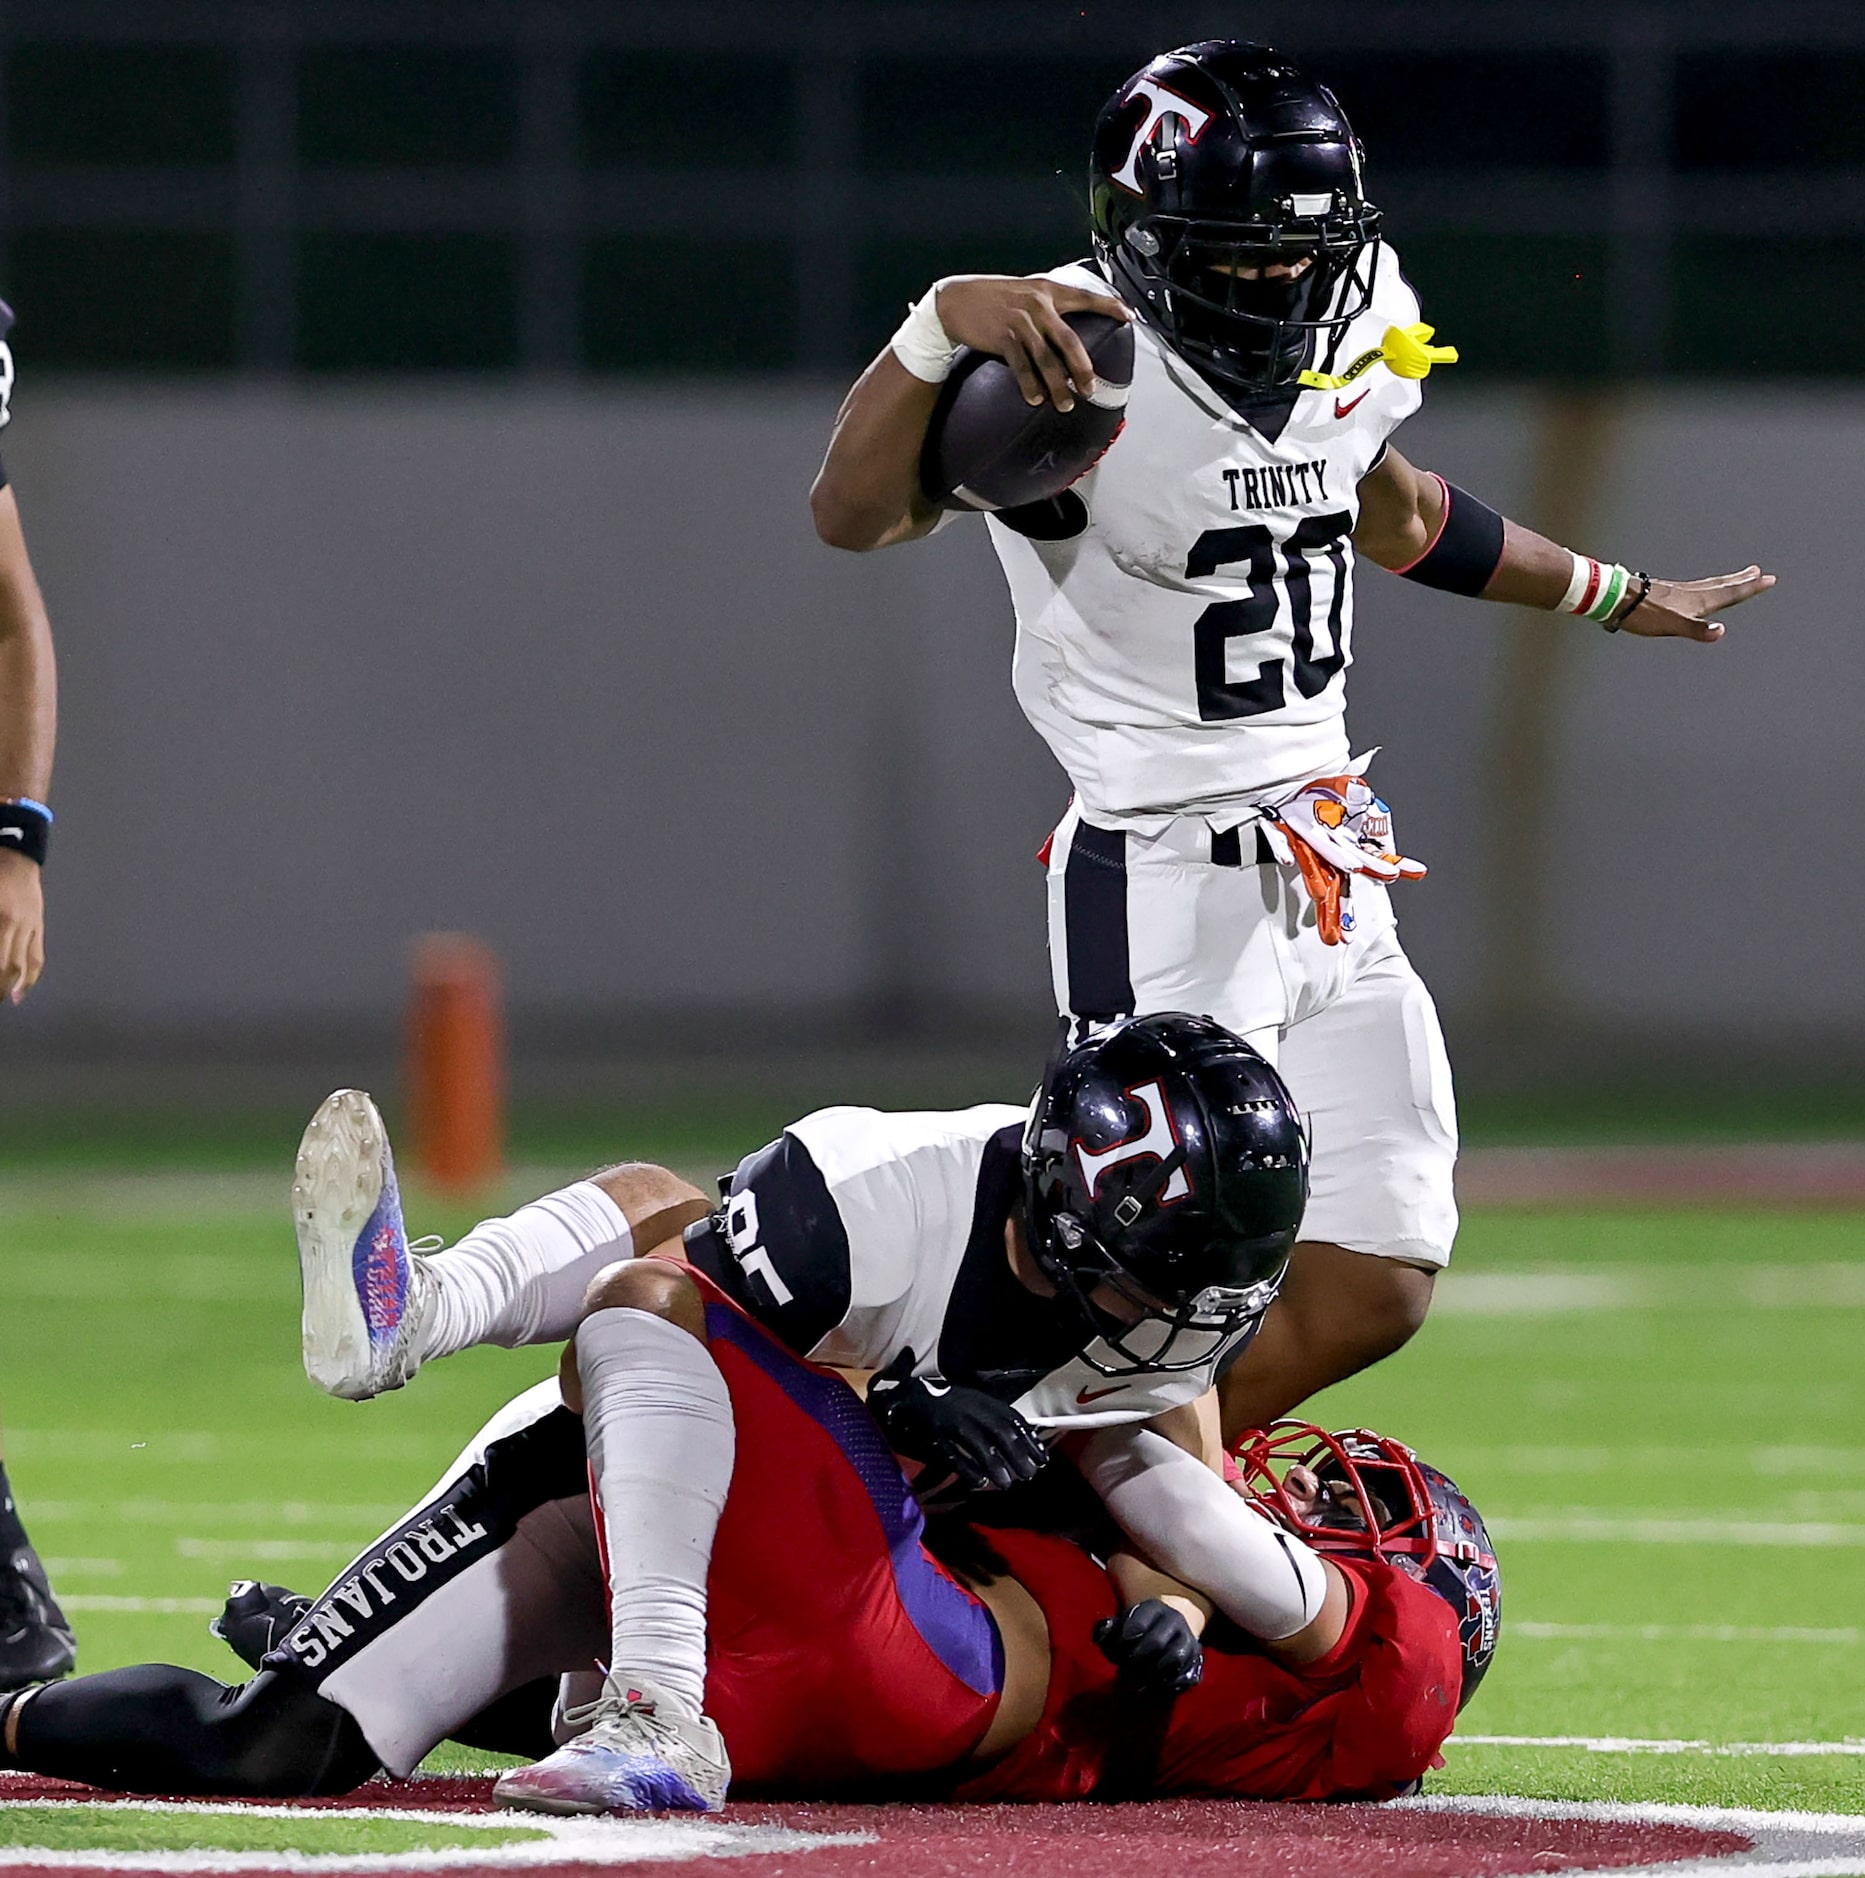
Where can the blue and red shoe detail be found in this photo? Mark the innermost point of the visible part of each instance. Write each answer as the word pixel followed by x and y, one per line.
pixel 379 1265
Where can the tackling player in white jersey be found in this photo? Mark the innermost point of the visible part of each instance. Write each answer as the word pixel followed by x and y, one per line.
pixel 1076 1273
pixel 1184 619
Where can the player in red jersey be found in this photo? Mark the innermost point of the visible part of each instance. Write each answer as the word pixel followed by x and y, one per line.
pixel 844 1655
pixel 1355 1707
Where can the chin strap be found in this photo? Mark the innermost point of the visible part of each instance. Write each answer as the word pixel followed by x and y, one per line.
pixel 1406 349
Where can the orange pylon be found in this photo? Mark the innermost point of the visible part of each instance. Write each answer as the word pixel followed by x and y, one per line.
pixel 456 1062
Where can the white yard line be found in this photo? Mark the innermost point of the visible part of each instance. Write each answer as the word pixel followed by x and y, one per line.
pixel 236 1513
pixel 1786 1844
pixel 269 1551
pixel 86 1604
pixel 1636 1744
pixel 560 1841
pixel 1527 1458
pixel 1685 1633
pixel 1558 1290
pixel 1588 1528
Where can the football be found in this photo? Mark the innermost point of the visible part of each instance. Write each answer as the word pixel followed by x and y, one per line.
pixel 986 448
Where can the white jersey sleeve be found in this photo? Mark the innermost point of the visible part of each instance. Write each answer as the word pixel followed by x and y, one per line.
pixel 1184 634
pixel 848 1231
pixel 858 1234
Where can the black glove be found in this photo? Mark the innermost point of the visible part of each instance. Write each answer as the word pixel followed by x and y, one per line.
pixel 984 1442
pixel 258 1617
pixel 1153 1648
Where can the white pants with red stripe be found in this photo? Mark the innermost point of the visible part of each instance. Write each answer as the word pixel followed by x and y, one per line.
pixel 1183 920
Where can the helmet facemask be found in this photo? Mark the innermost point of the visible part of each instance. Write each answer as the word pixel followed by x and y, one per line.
pixel 1373 1502
pixel 1377 1500
pixel 1146 1336
pixel 1205 285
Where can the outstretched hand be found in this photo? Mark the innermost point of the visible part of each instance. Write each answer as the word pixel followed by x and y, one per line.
pixel 1682 609
pixel 22 925
pixel 1019 319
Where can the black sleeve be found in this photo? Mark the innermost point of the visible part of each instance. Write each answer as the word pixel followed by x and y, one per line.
pixel 778 1245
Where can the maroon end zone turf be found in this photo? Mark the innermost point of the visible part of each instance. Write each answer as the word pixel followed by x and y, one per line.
pixel 1189 1838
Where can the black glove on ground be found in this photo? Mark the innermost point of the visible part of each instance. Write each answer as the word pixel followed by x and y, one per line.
pixel 258 1617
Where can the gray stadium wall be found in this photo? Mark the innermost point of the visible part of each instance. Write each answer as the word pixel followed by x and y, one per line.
pixel 569 669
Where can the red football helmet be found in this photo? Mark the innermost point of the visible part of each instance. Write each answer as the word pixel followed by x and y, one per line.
pixel 1377 1499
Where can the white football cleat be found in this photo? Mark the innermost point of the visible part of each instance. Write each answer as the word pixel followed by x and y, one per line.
pixel 636 1753
pixel 366 1295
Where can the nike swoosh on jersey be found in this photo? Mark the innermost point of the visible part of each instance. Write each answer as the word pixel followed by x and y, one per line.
pixel 1341 410
pixel 1084 1396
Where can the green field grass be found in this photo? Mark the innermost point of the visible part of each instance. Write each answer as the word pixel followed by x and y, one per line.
pixel 1663 1414
pixel 196 1829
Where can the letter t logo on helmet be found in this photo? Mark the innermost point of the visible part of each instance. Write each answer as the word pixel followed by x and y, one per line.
pixel 1155 1142
pixel 1161 102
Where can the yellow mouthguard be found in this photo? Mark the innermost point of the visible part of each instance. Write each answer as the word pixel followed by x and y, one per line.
pixel 1406 350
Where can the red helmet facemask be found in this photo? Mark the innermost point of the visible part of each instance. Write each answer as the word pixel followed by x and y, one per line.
pixel 1375 1500
pixel 1378 1500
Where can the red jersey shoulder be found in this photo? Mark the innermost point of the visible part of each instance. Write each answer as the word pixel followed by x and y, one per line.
pixel 1365 1721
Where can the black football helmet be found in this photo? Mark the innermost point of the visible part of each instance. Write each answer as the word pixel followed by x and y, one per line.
pixel 1223 156
pixel 1380 1500
pixel 1164 1158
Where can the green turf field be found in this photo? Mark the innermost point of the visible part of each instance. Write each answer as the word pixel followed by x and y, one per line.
pixel 1662 1414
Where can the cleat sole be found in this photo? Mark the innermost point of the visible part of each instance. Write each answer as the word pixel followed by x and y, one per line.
pixel 336 1189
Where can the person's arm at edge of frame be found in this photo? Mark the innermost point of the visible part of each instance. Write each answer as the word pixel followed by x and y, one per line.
pixel 28 730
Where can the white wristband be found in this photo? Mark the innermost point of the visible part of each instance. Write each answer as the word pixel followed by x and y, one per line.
pixel 922 344
pixel 1595 589
pixel 1585 572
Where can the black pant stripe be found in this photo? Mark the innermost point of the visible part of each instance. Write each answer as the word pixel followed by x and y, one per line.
pixel 1094 903
pixel 470 1518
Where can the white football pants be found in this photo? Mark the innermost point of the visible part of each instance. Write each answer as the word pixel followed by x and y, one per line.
pixel 1185 920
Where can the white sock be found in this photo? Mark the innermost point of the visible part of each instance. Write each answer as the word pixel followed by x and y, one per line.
pixel 521 1280
pixel 658 1423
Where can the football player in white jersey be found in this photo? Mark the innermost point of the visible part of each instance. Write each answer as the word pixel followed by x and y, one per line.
pixel 1080 1272
pixel 1184 617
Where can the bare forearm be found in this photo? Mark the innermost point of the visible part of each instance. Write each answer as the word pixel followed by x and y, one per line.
pixel 1413 523
pixel 867 493
pixel 28 689
pixel 1135 1581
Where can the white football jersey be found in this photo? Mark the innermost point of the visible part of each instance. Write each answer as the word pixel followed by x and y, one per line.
pixel 1186 650
pixel 858 1234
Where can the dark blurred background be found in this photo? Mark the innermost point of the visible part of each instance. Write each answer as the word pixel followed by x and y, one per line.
pixel 416 408
pixel 284 185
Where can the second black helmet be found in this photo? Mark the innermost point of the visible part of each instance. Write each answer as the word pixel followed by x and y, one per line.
pixel 1164 1160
